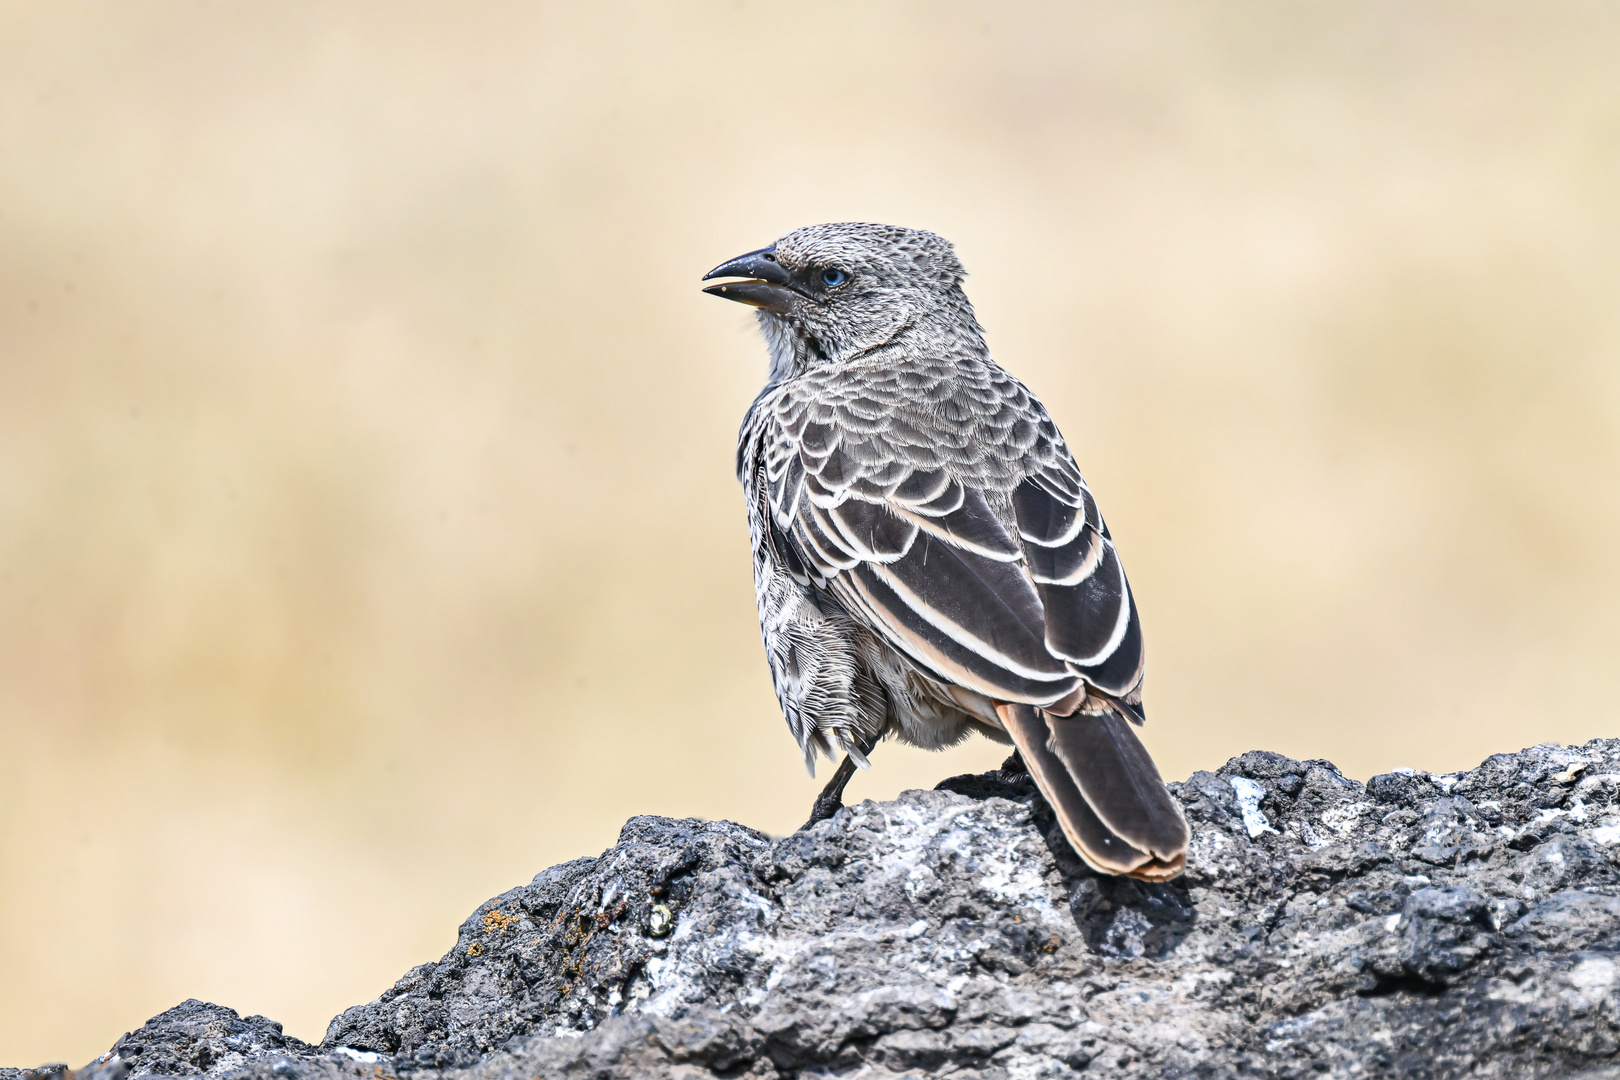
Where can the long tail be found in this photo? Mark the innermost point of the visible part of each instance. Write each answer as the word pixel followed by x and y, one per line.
pixel 1105 790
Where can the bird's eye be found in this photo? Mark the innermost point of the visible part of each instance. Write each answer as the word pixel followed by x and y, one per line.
pixel 832 277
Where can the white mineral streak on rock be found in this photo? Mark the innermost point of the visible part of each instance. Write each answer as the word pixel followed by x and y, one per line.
pixel 1593 977
pixel 1343 819
pixel 1249 794
pixel 1606 835
pixel 1576 811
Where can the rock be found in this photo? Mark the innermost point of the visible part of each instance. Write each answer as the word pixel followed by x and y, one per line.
pixel 1417 926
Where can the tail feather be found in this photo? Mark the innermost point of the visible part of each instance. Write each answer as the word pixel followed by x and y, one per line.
pixel 1105 790
pixel 1120 782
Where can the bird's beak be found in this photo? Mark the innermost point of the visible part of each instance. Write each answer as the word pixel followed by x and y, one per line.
pixel 771 286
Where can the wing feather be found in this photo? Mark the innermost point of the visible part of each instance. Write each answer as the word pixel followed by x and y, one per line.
pixel 813 529
pixel 948 501
pixel 1089 620
pixel 922 486
pixel 972 526
pixel 898 620
pixel 1120 672
pixel 981 604
pixel 871 532
pixel 1091 617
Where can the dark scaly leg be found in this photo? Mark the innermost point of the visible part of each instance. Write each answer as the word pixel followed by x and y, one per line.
pixel 831 799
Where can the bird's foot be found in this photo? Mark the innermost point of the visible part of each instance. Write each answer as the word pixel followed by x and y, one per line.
pixel 1013 768
pixel 823 808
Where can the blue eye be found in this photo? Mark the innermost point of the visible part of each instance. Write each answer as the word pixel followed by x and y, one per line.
pixel 833 277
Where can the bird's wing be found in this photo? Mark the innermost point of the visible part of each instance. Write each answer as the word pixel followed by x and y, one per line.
pixel 913 552
pixel 1091 619
pixel 867 502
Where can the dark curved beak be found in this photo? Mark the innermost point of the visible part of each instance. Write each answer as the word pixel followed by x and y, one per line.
pixel 770 287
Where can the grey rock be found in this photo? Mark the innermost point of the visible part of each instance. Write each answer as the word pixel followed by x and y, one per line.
pixel 196 1037
pixel 1416 926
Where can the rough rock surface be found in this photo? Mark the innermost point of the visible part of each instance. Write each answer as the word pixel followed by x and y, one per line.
pixel 1417 926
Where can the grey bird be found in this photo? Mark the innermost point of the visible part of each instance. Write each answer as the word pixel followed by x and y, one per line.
pixel 928 561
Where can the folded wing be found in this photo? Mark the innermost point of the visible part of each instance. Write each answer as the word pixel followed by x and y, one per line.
pixel 1091 619
pixel 937 575
pixel 1021 610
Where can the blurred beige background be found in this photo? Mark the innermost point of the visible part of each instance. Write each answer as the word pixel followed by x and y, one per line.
pixel 368 534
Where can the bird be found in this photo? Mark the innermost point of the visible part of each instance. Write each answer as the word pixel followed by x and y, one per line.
pixel 928 561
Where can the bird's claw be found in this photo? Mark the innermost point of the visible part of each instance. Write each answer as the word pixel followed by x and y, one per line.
pixel 825 807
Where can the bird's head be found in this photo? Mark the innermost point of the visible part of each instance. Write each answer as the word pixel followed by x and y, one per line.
pixel 826 293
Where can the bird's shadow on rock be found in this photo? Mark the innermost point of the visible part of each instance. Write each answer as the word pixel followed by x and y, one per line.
pixel 1116 916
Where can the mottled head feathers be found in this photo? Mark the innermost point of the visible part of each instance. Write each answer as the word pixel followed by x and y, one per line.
pixel 888 255
pixel 862 287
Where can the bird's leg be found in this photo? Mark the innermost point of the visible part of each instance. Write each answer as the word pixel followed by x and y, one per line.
pixel 831 799
pixel 1013 767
